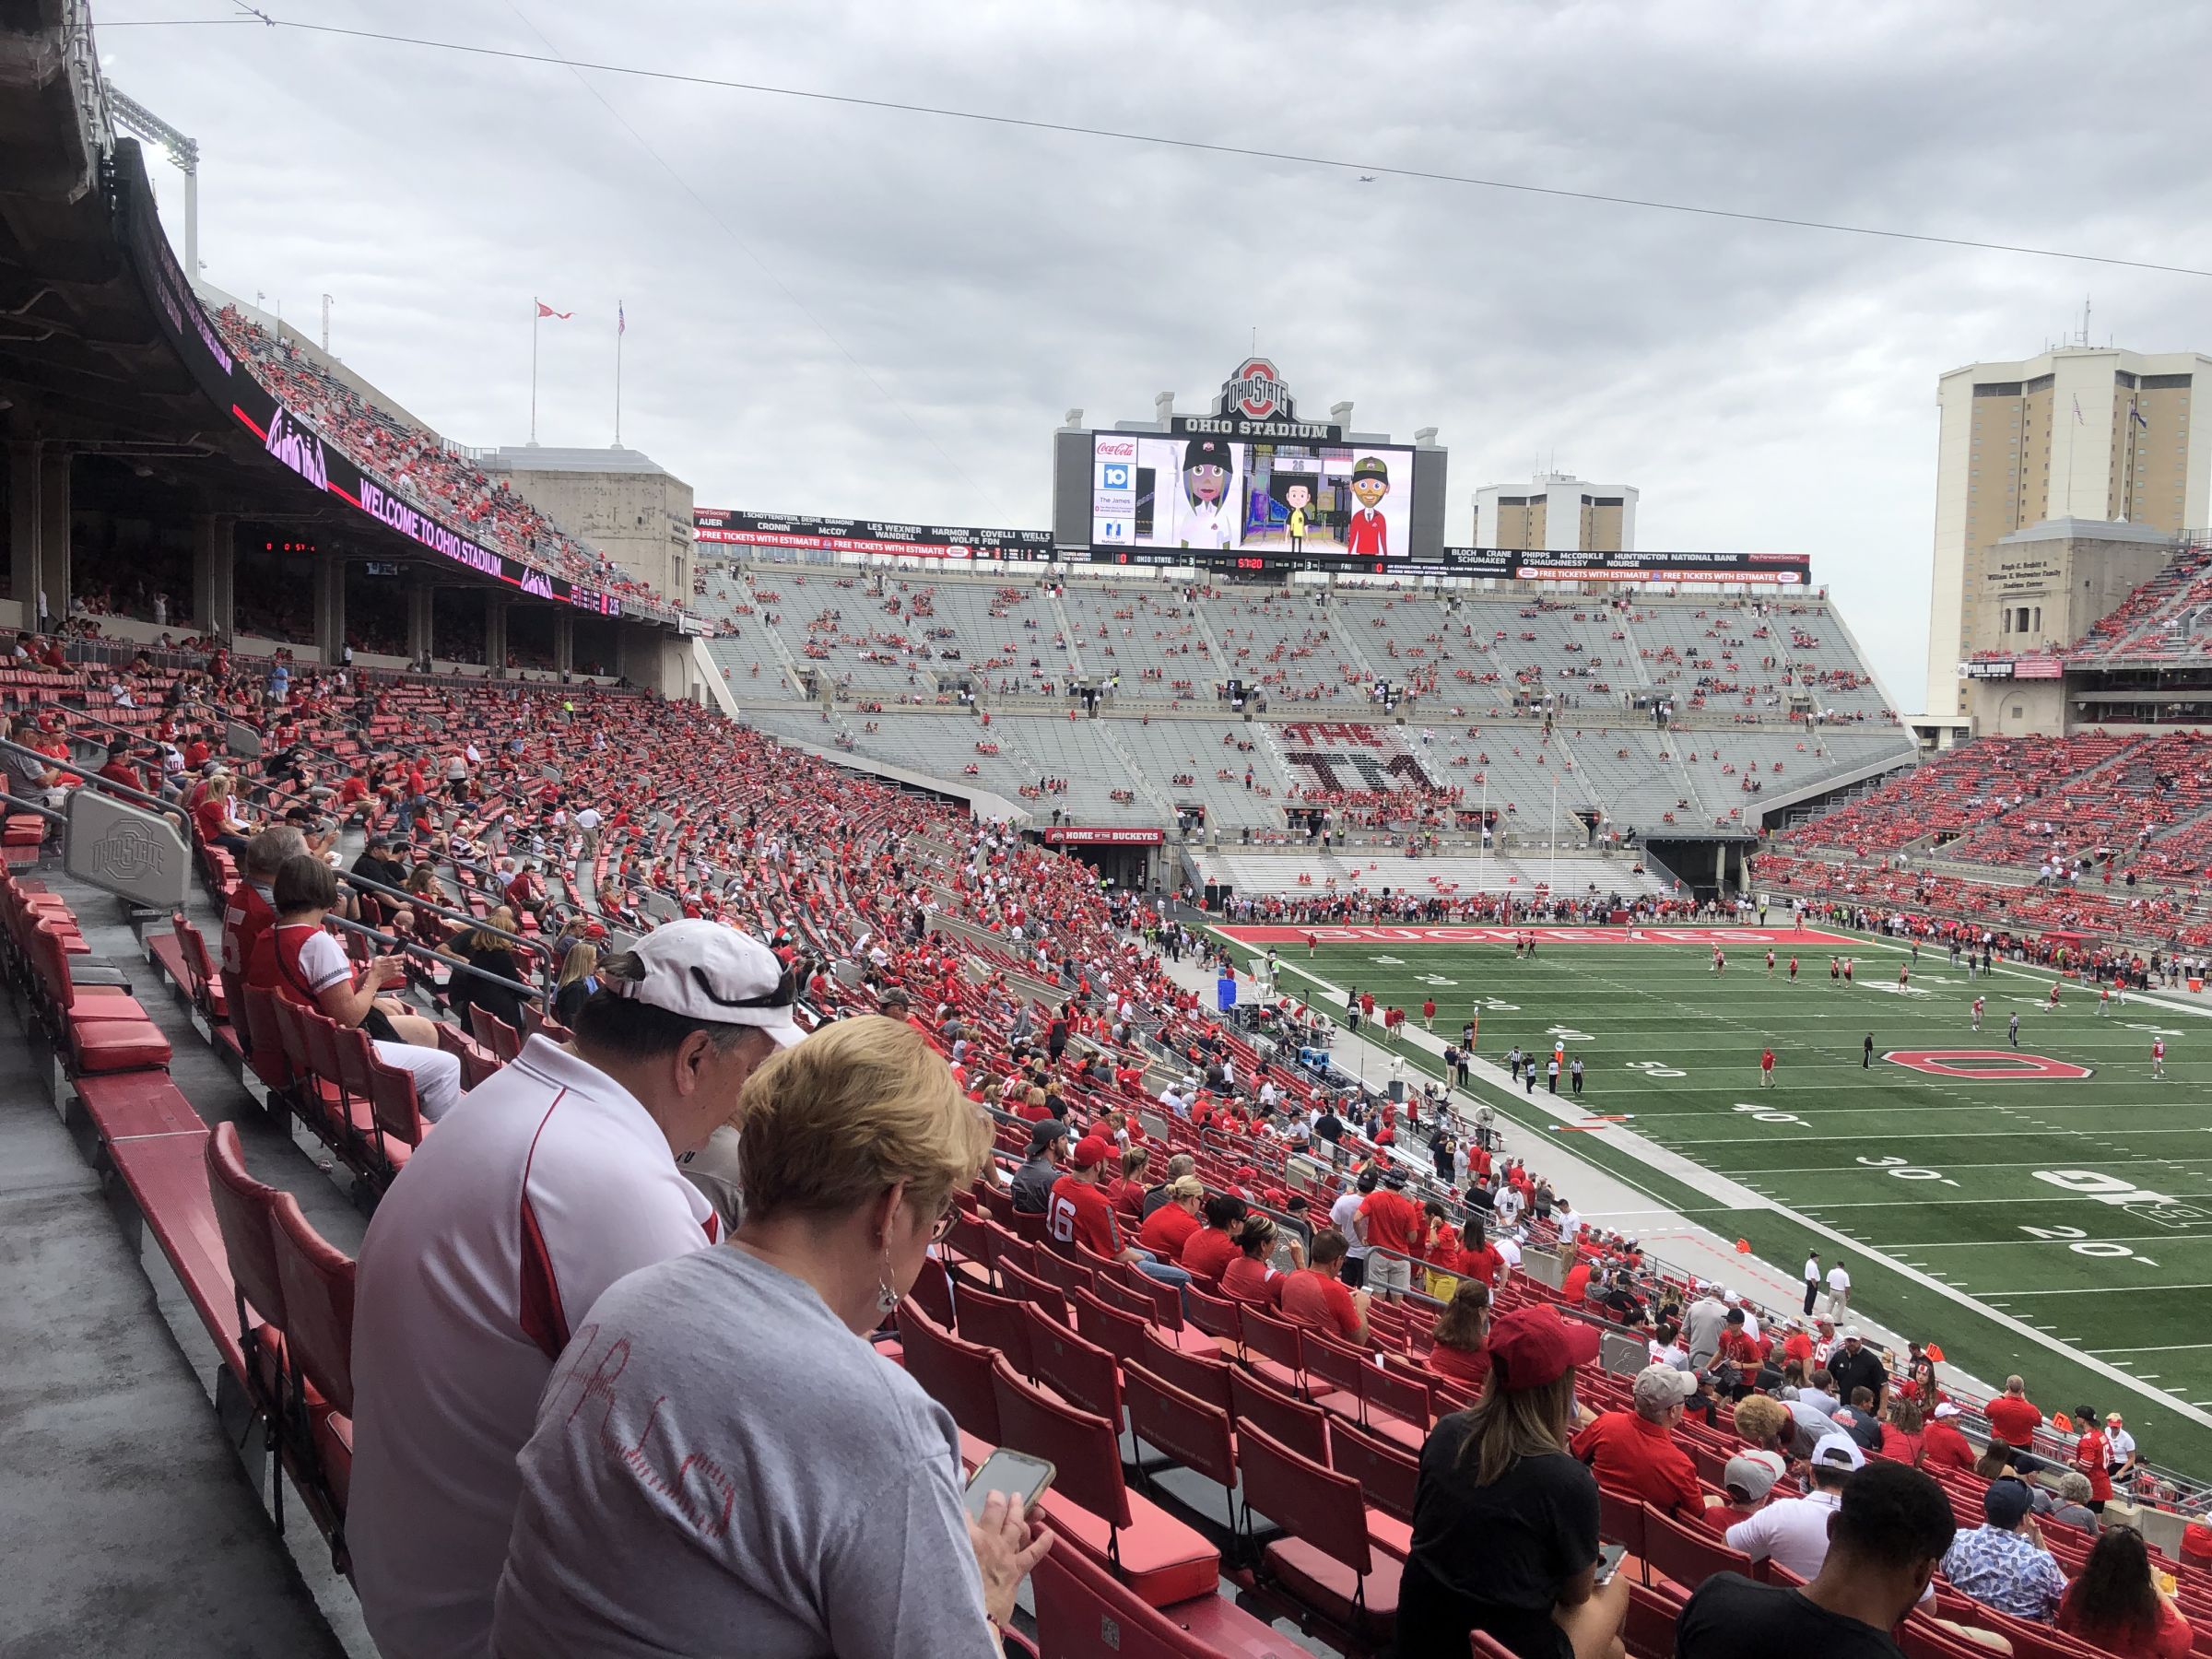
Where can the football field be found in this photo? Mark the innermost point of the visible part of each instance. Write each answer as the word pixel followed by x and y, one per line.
pixel 2045 1209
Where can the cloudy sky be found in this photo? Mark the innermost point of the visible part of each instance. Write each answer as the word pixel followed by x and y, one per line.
pixel 859 312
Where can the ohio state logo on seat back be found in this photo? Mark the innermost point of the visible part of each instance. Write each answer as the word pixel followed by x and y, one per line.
pixel 1988 1065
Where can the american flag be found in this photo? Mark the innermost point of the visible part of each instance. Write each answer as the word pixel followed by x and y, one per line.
pixel 621 322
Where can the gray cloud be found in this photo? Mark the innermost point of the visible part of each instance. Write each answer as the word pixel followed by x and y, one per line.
pixel 855 312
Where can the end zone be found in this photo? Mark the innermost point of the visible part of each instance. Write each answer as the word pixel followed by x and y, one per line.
pixel 1350 934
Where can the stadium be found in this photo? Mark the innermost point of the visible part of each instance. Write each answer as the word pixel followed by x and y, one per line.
pixel 1578 946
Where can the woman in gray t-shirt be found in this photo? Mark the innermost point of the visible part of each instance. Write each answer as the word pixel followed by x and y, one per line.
pixel 721 1463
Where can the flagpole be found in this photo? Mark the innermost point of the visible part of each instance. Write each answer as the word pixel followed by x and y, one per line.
pixel 534 314
pixel 618 331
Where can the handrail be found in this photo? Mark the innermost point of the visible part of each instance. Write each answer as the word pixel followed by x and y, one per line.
pixel 415 901
pixel 93 780
pixel 415 947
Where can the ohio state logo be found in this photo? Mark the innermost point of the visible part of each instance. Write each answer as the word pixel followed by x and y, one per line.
pixel 1256 392
pixel 1988 1065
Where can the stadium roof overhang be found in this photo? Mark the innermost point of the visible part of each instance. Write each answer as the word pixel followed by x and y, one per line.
pixel 86 363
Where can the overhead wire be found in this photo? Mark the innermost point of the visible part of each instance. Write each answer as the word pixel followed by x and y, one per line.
pixel 1200 145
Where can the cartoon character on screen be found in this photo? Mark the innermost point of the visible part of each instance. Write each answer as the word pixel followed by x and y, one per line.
pixel 1368 534
pixel 1296 494
pixel 1205 515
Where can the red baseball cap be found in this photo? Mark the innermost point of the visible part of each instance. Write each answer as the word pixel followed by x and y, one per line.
pixel 1531 1347
pixel 1091 1149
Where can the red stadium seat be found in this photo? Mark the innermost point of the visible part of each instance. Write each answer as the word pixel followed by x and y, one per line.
pixel 1327 1565
pixel 1161 1559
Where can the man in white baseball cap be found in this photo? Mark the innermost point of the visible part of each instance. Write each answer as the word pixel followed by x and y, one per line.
pixel 1794 1532
pixel 545 1185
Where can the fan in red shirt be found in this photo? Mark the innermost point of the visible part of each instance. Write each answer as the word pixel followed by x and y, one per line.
pixel 2091 1456
pixel 1315 1296
pixel 1206 1256
pixel 1249 1277
pixel 1168 1228
pixel 1079 1213
pixel 1390 1221
pixel 119 768
pixel 1636 1451
pixel 1126 1194
pixel 1462 1354
pixel 2013 1417
pixel 1943 1447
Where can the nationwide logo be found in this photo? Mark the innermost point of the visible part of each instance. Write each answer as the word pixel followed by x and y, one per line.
pixel 1255 390
pixel 292 442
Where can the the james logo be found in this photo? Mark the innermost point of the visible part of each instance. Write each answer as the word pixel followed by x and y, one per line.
pixel 291 443
pixel 129 851
pixel 1255 390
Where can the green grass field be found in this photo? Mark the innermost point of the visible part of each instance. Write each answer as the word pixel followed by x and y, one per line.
pixel 2082 1209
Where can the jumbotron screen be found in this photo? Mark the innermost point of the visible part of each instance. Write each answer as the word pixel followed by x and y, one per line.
pixel 1215 494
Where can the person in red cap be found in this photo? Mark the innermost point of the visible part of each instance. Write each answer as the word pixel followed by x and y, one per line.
pixel 1079 1213
pixel 1505 1521
pixel 1505 1517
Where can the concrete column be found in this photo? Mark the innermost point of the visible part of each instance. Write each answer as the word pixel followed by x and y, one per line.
pixel 214 564
pixel 330 604
pixel 1720 863
pixel 54 535
pixel 23 523
pixel 419 598
pixel 495 633
pixel 564 642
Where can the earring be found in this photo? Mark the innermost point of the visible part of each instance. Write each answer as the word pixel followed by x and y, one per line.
pixel 887 1293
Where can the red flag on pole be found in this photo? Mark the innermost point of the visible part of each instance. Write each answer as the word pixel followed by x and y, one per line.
pixel 546 311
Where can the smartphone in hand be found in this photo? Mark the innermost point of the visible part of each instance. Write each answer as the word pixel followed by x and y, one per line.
pixel 1023 1479
pixel 1609 1562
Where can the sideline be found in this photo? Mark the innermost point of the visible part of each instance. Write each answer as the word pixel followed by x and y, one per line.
pixel 1703 1180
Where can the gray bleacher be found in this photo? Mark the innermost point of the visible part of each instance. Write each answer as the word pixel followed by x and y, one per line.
pixel 1448 876
pixel 1157 632
pixel 1309 663
pixel 1164 749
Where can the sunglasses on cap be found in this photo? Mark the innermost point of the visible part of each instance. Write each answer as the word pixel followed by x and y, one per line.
pixel 781 995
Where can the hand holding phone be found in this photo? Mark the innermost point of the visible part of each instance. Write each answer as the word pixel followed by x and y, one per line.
pixel 1021 1477
pixel 1608 1562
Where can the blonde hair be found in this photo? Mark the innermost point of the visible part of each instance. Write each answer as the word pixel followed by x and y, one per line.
pixel 582 960
pixel 219 787
pixel 1759 1418
pixel 857 1107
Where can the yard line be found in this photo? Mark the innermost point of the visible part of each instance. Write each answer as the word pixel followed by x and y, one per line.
pixel 1951 1163
pixel 1782 1136
pixel 2098 1290
pixel 2164 1238
pixel 1915 1202
pixel 2171 1348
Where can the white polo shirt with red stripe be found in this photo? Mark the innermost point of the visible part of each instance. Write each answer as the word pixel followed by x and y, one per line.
pixel 542 1188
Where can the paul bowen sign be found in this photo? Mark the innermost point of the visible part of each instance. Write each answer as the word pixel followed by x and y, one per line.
pixel 1254 402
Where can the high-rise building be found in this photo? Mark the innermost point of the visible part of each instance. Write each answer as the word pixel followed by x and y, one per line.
pixel 2080 432
pixel 1556 513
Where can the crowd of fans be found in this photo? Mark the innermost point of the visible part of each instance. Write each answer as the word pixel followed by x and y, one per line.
pixel 419 466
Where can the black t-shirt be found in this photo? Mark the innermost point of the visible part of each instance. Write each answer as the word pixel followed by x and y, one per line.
pixel 1731 1617
pixel 1862 1371
pixel 1493 1558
